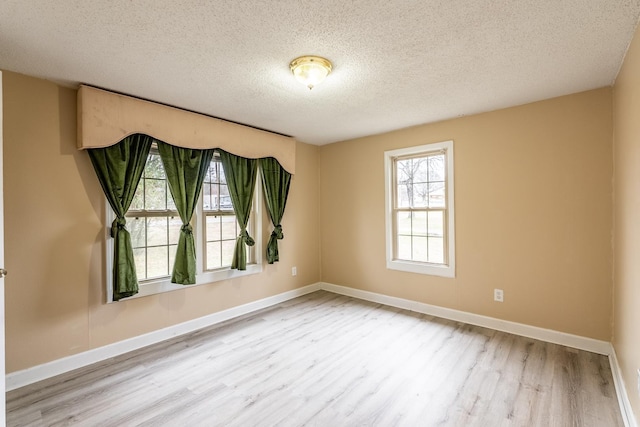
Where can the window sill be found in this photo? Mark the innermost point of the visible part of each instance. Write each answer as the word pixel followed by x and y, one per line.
pixel 422 268
pixel 205 278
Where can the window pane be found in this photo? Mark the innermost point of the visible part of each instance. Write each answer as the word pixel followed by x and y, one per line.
pixel 405 195
pixel 211 173
pixel 419 223
pixel 420 169
pixel 220 169
pixel 419 249
pixel 225 199
pixel 436 223
pixel 214 255
pixel 136 229
pixel 213 228
pixel 171 204
pixel 403 171
pixel 225 203
pixel 157 262
pixel 436 168
pixel 227 252
pixel 175 224
pixel 157 231
pixel 215 197
pixel 436 195
pixel 420 195
pixel 139 256
pixel 206 196
pixel 137 204
pixel 436 250
pixel 154 168
pixel 403 223
pixel 229 227
pixel 404 247
pixel 155 194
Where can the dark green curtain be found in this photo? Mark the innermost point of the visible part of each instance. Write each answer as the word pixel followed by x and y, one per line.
pixel 186 169
pixel 119 168
pixel 241 179
pixel 276 182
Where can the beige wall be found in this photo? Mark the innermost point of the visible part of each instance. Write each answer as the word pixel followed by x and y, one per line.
pixel 53 223
pixel 626 108
pixel 533 214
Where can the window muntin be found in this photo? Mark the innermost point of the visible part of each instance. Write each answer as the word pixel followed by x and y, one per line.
pixel 419 209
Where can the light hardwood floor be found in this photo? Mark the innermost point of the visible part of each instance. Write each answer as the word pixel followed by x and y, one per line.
pixel 329 360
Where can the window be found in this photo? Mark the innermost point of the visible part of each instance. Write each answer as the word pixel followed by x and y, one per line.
pixel 419 209
pixel 154 225
pixel 153 222
pixel 220 226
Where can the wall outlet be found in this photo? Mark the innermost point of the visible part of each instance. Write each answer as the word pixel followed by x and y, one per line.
pixel 294 271
pixel 498 295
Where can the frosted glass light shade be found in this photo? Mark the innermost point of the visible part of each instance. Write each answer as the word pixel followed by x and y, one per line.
pixel 310 70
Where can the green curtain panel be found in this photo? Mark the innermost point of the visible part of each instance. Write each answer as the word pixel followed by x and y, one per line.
pixel 119 168
pixel 241 179
pixel 186 169
pixel 276 182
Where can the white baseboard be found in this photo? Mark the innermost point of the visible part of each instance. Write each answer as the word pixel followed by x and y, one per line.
pixel 623 398
pixel 56 367
pixel 548 335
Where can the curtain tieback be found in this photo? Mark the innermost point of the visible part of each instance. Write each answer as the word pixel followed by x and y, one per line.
pixel 277 232
pixel 117 225
pixel 187 229
pixel 247 239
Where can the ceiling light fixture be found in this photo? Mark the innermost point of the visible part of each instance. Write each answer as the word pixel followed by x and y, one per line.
pixel 310 70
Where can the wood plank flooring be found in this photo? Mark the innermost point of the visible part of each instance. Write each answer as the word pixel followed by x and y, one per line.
pixel 329 360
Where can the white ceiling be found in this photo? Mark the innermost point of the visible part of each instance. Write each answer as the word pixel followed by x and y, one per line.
pixel 397 63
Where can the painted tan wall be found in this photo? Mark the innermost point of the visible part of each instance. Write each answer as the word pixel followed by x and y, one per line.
pixel 533 214
pixel 54 212
pixel 626 108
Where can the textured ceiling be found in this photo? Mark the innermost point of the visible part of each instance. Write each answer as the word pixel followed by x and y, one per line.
pixel 396 63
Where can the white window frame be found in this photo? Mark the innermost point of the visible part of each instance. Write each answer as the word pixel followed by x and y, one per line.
pixel 444 270
pixel 203 277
